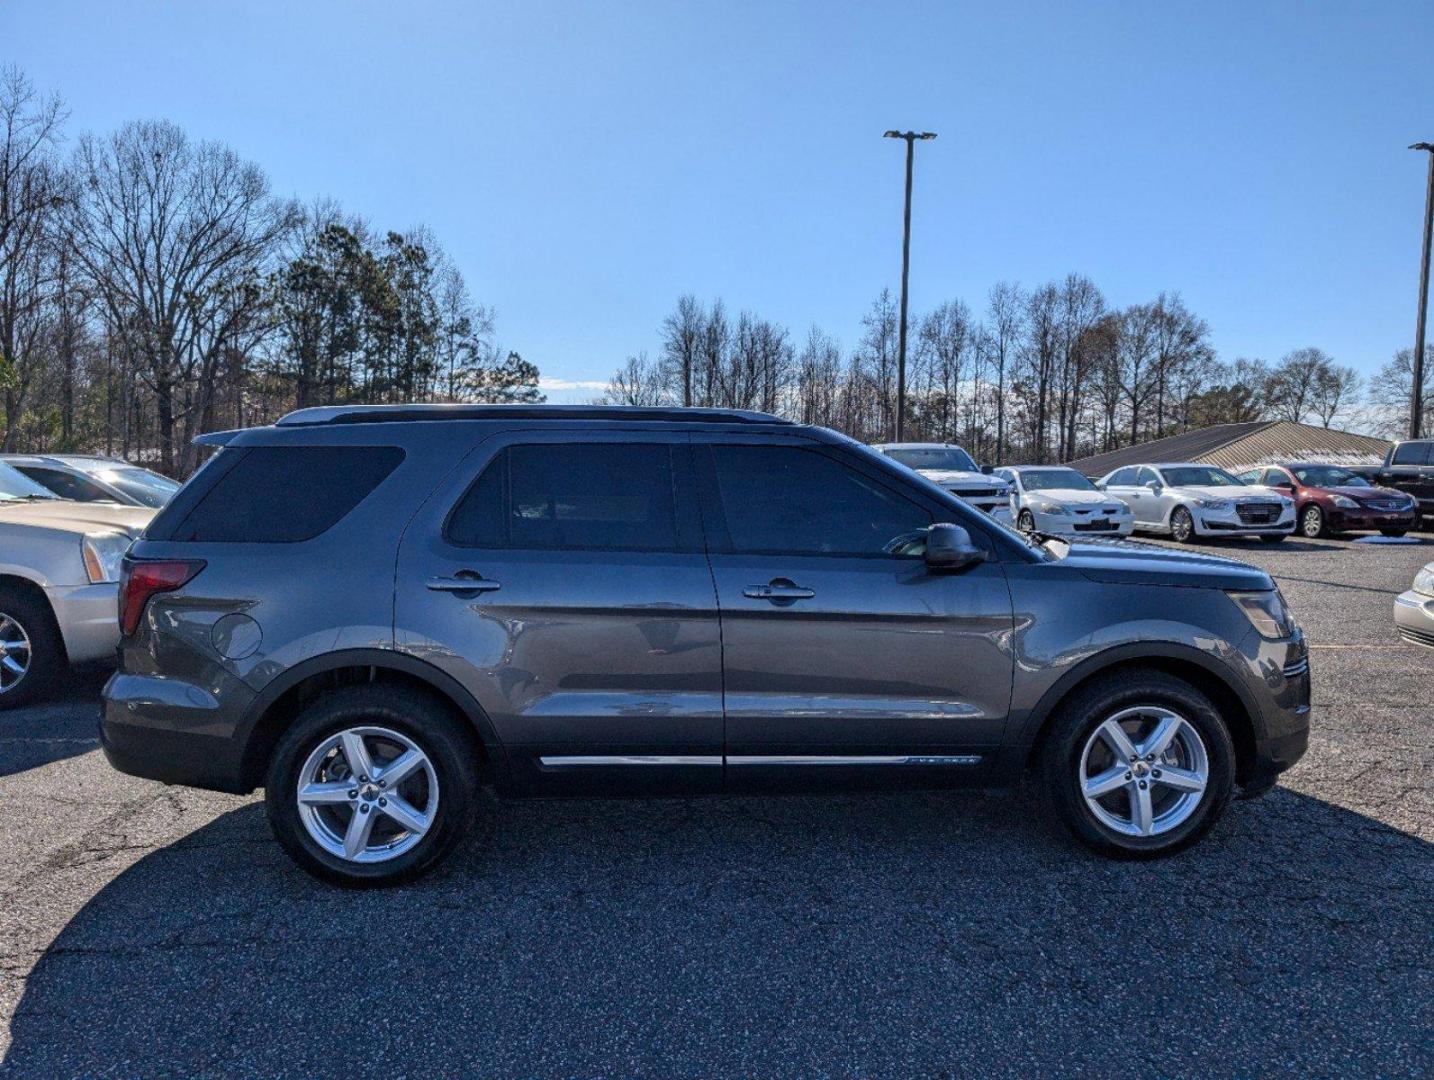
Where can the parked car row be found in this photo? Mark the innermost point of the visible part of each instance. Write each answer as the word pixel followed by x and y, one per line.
pixel 1182 500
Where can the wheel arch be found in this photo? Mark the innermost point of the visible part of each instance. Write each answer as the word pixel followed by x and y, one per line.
pixel 32 589
pixel 289 694
pixel 1233 701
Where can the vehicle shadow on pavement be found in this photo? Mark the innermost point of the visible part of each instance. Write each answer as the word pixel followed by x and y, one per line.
pixel 891 934
pixel 39 734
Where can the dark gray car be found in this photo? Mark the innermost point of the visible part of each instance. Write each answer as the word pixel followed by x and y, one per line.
pixel 373 611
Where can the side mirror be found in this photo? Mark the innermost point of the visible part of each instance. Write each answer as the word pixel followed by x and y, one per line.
pixel 949 547
pixel 1155 486
pixel 986 469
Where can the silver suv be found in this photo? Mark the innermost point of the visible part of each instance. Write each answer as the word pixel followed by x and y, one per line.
pixel 371 612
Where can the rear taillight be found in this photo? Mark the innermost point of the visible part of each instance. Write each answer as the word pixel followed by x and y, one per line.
pixel 141 579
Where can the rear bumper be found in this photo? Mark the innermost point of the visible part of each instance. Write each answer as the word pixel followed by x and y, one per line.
pixel 170 730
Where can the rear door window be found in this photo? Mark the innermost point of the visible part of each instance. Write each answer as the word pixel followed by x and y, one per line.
pixel 285 494
pixel 571 497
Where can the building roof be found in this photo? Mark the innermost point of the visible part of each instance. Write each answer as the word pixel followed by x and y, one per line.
pixel 1240 446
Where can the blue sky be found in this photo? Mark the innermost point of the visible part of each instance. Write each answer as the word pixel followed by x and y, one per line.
pixel 586 163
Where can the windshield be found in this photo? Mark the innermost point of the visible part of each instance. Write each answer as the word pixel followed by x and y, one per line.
pixel 1050 479
pixel 935 457
pixel 1328 476
pixel 145 487
pixel 15 486
pixel 1199 476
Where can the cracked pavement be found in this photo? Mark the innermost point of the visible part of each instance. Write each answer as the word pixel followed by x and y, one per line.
pixel 150 931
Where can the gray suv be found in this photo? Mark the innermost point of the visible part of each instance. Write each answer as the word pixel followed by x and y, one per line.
pixel 372 612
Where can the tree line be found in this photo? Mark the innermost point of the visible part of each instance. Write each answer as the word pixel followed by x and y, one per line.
pixel 1041 374
pixel 153 287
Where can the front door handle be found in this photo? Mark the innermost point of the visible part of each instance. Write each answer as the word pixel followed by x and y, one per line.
pixel 780 590
pixel 462 582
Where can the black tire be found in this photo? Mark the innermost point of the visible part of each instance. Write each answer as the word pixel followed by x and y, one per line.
pixel 1090 706
pixel 1312 522
pixel 1182 526
pixel 1392 532
pixel 443 738
pixel 45 659
pixel 1026 522
pixel 1277 538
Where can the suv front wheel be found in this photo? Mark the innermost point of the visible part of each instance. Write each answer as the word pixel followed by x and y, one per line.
pixel 372 785
pixel 1138 765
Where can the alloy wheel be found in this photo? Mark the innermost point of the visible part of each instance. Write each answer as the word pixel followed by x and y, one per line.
pixel 1143 771
pixel 15 652
pixel 367 794
pixel 1181 525
pixel 1312 522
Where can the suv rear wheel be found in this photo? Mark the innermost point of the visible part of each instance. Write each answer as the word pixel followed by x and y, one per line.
pixel 372 785
pixel 1138 765
pixel 32 654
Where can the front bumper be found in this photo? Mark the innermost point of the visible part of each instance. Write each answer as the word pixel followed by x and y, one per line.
pixel 88 617
pixel 1284 733
pixel 1365 518
pixel 1229 523
pixel 1085 524
pixel 995 504
pixel 1414 617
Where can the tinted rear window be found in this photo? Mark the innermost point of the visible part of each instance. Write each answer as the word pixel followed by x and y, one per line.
pixel 571 496
pixel 286 494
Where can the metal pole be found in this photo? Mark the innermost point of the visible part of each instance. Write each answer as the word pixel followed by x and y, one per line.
pixel 1416 411
pixel 905 272
pixel 910 137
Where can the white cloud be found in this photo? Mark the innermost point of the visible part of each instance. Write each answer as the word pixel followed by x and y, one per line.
pixel 547 383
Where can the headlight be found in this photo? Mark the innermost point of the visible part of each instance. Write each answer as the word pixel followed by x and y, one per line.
pixel 1215 504
pixel 102 555
pixel 1267 613
pixel 1051 508
pixel 1424 581
pixel 1344 502
pixel 1118 508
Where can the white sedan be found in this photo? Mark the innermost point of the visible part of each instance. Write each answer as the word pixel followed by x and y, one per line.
pixel 1055 499
pixel 1189 500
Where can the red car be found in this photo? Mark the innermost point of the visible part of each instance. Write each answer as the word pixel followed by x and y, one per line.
pixel 1329 499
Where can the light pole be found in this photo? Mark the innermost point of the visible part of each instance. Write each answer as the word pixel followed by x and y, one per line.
pixel 1416 410
pixel 910 137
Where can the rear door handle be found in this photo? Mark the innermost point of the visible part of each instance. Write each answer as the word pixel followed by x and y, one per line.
pixel 778 591
pixel 460 584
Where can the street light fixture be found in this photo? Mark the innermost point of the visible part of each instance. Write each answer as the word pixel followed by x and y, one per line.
pixel 1416 412
pixel 911 137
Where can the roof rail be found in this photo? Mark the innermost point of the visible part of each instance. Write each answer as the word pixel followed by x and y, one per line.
pixel 387 414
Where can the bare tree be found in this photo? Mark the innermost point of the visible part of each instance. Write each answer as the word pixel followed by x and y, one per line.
pixel 172 234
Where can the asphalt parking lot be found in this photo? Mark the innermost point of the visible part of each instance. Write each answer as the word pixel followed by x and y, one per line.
pixel 147 930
